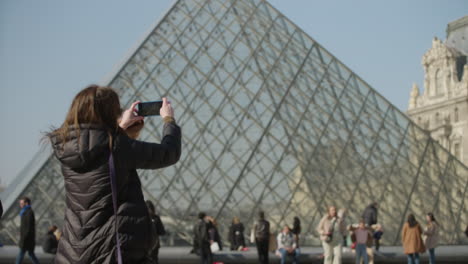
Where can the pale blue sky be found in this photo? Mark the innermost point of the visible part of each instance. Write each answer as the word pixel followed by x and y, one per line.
pixel 51 49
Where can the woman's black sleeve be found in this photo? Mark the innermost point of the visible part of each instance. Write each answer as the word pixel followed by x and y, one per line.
pixel 147 155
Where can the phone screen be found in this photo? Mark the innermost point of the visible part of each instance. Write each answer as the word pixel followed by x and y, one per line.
pixel 149 108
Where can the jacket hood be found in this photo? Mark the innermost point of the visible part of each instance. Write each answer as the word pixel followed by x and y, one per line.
pixel 83 148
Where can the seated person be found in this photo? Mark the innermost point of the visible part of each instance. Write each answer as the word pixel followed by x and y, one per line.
pixel 50 241
pixel 287 245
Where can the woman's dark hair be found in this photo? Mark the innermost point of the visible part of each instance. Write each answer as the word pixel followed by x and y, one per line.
pixel 150 206
pixel 412 220
pixel 92 105
pixel 296 226
pixel 261 215
pixel 431 216
pixel 201 215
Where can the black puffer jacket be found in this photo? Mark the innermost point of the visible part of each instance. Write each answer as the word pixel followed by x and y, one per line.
pixel 370 215
pixel 88 231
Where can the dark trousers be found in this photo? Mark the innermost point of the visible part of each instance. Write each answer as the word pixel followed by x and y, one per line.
pixel 377 244
pixel 206 257
pixel 154 255
pixel 262 249
pixel 32 256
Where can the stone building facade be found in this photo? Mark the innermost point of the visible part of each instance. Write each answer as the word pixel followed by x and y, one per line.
pixel 442 108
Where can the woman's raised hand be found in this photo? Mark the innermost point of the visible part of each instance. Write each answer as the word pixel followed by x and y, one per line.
pixel 166 109
pixel 129 116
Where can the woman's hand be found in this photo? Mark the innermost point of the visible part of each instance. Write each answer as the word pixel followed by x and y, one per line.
pixel 129 117
pixel 166 109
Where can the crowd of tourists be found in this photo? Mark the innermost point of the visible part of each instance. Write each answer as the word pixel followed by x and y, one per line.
pixel 334 232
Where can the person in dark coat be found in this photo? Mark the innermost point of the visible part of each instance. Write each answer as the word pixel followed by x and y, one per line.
pixel 202 240
pixel 213 231
pixel 158 230
pixel 262 237
pixel 236 234
pixel 370 214
pixel 50 243
pixel 296 230
pixel 95 128
pixel 27 241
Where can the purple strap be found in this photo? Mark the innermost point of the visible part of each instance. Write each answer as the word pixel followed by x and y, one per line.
pixel 113 180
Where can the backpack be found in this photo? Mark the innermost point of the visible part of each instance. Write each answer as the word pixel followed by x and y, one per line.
pixel 262 230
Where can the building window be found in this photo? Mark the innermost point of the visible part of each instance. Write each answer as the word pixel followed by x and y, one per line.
pixel 438 82
pixel 455 115
pixel 456 150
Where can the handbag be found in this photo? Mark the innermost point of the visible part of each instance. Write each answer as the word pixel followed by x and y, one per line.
pixel 214 247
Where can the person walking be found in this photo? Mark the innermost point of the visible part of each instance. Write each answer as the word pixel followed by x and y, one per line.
pixel 236 234
pixel 50 243
pixel 106 218
pixel 332 230
pixel 431 236
pixel 287 245
pixel 202 239
pixel 27 241
pixel 411 240
pixel 262 237
pixel 157 231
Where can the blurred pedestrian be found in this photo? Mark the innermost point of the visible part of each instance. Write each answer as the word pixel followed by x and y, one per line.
pixel 262 237
pixel 378 233
pixel 157 230
pixel 362 234
pixel 202 240
pixel 342 213
pixel 50 243
pixel 287 245
pixel 296 229
pixel 27 241
pixel 332 230
pixel 370 214
pixel 411 240
pixel 214 233
pixel 431 236
pixel 236 234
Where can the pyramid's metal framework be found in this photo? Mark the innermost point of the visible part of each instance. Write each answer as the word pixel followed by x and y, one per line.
pixel 271 120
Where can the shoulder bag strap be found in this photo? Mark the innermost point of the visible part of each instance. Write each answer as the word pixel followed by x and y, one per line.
pixel 113 180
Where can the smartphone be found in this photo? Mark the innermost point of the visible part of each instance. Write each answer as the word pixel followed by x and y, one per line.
pixel 149 108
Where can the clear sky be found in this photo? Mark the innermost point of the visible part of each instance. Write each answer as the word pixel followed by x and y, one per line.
pixel 50 49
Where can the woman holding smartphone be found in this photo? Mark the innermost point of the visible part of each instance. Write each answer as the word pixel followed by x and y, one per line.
pixel 93 148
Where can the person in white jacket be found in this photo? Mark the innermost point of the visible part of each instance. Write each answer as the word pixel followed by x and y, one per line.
pixel 287 245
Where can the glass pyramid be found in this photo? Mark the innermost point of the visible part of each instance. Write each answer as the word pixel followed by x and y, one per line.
pixel 271 120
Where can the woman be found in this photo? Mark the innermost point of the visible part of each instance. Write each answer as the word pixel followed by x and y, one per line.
pixel 95 128
pixel 50 241
pixel 213 231
pixel 236 235
pixel 332 229
pixel 431 236
pixel 411 240
pixel 296 230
